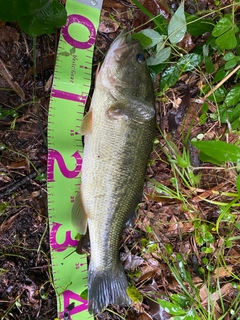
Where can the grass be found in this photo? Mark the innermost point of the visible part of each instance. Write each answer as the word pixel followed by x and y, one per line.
pixel 211 289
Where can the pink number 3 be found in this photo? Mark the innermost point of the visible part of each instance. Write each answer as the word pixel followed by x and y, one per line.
pixel 67 242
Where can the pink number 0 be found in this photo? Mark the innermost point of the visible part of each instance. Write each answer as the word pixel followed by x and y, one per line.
pixel 76 18
pixel 55 155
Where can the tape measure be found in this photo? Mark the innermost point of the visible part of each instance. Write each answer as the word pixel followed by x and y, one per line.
pixel 72 79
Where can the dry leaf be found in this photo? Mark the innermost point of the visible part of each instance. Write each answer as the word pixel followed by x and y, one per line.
pixel 223 272
pixel 108 26
pixel 148 273
pixel 225 290
pixel 22 164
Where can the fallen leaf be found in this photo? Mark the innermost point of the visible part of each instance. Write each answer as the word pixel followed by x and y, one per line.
pixel 223 272
pixel 108 26
pixel 225 290
pixel 22 164
pixel 148 273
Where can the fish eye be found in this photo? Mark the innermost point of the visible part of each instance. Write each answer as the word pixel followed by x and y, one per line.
pixel 140 58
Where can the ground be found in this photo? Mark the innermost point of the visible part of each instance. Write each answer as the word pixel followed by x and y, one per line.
pixel 163 254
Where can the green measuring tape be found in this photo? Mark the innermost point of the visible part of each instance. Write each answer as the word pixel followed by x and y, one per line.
pixel 72 79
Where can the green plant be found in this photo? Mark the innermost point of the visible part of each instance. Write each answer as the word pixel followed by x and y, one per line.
pixel 34 17
pixel 180 163
pixel 167 55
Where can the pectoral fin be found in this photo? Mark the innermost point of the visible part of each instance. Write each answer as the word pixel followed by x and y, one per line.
pixel 132 109
pixel 86 126
pixel 79 216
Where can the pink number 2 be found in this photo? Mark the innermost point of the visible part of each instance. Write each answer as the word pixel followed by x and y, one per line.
pixel 54 155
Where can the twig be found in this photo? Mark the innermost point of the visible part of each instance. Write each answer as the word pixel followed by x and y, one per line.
pixel 221 82
pixel 13 186
pixel 8 77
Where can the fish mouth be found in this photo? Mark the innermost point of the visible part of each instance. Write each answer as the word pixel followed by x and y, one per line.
pixel 123 45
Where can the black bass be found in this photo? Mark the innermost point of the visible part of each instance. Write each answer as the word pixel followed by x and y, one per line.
pixel 119 130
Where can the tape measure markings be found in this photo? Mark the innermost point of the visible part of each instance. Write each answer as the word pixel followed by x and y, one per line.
pixel 69 95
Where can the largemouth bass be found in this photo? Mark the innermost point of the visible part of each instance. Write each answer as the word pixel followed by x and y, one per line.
pixel 119 130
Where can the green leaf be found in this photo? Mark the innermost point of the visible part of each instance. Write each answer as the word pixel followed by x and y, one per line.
pixel 218 95
pixel 169 248
pixel 11 10
pixel 84 294
pixel 34 17
pixel 221 27
pixel 51 15
pixel 228 56
pixel 134 295
pixel 205 158
pixel 204 108
pixel 236 124
pixel 203 118
pixel 230 114
pixel 219 150
pixel 206 234
pixel 169 77
pixel 153 35
pixel 189 62
pixel 177 25
pixel 233 96
pixel 41 176
pixel 208 237
pixel 143 39
pixel 238 184
pixel 196 26
pixel 157 69
pixel 180 299
pixel 230 64
pixel 161 56
pixel 221 74
pixel 171 308
pixel 149 229
pixel 181 162
pixel 210 68
pixel 3 206
pixel 184 273
pixel 227 40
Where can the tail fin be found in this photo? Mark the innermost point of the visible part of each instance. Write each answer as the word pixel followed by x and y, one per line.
pixel 107 287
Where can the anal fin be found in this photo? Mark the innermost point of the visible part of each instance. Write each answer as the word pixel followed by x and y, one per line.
pixel 79 216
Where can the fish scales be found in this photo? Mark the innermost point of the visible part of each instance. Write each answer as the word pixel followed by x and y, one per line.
pixel 119 131
pixel 113 186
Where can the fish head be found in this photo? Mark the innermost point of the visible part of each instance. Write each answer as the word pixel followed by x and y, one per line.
pixel 124 71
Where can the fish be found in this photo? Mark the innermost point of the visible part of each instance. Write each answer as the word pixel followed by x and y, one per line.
pixel 118 130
